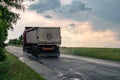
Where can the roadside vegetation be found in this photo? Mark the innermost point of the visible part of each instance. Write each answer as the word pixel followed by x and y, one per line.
pixel 7 20
pixel 101 53
pixel 13 69
pixel 16 41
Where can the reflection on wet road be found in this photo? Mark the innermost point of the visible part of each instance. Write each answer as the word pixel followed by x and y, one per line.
pixel 68 67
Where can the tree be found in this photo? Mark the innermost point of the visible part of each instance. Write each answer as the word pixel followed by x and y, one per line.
pixel 7 19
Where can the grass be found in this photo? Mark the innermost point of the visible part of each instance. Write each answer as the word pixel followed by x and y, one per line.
pixel 13 69
pixel 101 53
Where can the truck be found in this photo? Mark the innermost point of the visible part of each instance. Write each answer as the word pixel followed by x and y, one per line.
pixel 42 41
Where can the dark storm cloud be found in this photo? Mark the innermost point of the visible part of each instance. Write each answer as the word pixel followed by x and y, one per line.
pixel 108 10
pixel 77 10
pixel 48 16
pixel 44 5
pixel 74 7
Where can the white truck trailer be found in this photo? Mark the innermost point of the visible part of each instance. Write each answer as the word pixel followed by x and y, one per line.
pixel 42 41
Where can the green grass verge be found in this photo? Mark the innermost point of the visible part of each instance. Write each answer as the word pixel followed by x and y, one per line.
pixel 102 53
pixel 14 69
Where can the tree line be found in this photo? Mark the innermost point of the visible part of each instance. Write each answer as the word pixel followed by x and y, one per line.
pixel 16 41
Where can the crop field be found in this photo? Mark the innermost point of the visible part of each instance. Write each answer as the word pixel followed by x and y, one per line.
pixel 102 53
pixel 14 69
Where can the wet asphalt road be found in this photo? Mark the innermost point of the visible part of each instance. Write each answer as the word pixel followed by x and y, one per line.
pixel 68 67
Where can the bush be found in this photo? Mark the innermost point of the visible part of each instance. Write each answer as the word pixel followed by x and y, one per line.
pixel 2 55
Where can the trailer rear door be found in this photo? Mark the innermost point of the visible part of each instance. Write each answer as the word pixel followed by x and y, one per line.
pixel 49 36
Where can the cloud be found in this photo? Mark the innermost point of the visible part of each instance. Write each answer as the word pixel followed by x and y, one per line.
pixel 105 15
pixel 65 2
pixel 44 5
pixel 80 10
pixel 48 16
pixel 99 24
pixel 74 7
pixel 83 35
pixel 106 9
pixel 75 10
pixel 72 25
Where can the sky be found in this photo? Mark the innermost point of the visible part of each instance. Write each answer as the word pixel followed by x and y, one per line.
pixel 84 23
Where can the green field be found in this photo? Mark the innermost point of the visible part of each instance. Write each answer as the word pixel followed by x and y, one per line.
pixel 102 53
pixel 13 69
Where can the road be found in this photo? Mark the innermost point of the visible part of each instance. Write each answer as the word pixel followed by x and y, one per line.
pixel 68 67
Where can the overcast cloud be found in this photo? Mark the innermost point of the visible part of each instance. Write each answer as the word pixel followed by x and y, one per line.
pixel 107 10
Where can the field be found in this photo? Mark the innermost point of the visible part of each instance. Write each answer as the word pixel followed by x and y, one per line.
pixel 102 53
pixel 13 69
